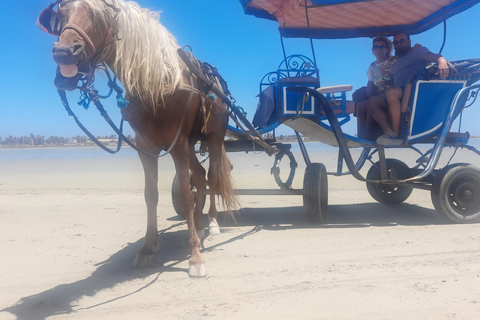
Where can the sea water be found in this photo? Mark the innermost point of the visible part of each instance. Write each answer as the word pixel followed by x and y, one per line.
pixel 127 152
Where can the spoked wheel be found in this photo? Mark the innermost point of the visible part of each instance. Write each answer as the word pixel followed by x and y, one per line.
pixel 456 194
pixel 389 193
pixel 177 197
pixel 315 192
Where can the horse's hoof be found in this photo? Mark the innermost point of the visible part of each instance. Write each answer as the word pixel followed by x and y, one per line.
pixel 213 227
pixel 201 234
pixel 214 230
pixel 197 270
pixel 142 261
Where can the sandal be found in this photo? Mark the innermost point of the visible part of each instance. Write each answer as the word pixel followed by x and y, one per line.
pixel 388 140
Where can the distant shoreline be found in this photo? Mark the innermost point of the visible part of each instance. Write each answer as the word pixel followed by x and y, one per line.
pixel 114 144
pixel 56 146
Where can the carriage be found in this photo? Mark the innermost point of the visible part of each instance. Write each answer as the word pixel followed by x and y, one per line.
pixel 292 95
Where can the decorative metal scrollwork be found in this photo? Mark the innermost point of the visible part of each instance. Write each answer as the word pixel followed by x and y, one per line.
pixel 293 66
pixel 299 65
pixel 472 96
pixel 273 77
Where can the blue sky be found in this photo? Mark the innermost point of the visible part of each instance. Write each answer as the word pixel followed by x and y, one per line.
pixel 242 47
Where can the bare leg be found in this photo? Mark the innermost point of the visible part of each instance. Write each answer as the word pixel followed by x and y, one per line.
pixel 362 109
pixel 377 109
pixel 394 98
pixel 150 168
pixel 370 128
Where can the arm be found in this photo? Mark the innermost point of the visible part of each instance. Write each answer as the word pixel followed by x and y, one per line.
pixel 443 69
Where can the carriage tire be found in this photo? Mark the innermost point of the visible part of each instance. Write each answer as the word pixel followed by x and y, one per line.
pixel 177 197
pixel 315 192
pixel 456 194
pixel 389 194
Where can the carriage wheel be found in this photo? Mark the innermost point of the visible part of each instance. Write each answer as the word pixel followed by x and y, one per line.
pixel 456 194
pixel 315 192
pixel 177 197
pixel 389 193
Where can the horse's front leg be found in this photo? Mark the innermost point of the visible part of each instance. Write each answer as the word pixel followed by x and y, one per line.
pixel 150 168
pixel 196 264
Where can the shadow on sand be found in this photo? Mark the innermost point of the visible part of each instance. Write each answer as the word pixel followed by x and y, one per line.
pixel 339 216
pixel 174 250
pixel 111 272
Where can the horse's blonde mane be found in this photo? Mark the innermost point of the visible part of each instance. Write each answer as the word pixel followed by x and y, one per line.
pixel 146 59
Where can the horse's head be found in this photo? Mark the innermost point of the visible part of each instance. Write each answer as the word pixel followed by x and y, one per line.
pixel 81 39
pixel 131 40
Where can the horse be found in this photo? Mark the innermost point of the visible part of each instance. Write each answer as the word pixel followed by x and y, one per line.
pixel 169 108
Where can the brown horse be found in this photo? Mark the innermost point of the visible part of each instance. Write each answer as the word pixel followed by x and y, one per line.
pixel 166 101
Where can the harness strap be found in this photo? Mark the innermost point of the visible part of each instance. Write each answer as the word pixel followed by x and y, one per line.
pixel 93 94
pixel 82 33
pixel 63 97
pixel 205 116
pixel 201 77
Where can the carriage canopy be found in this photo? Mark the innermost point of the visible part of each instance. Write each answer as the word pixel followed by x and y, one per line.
pixel 334 19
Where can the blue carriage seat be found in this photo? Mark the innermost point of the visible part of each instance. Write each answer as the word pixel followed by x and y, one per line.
pixel 427 100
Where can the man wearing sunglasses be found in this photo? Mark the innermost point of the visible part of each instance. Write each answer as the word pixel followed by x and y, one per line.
pixel 410 61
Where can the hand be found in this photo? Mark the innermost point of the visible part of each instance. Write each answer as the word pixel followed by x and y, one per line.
pixel 443 69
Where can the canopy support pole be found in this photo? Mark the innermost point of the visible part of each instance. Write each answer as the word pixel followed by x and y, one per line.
pixel 283 50
pixel 444 31
pixel 311 40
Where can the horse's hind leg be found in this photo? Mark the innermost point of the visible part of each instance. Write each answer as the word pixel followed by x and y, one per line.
pixel 198 176
pixel 181 158
pixel 215 151
pixel 150 168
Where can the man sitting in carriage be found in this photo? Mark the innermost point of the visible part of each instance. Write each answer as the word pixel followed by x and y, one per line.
pixel 410 61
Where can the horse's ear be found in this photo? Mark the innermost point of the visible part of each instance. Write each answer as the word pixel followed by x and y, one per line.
pixel 48 21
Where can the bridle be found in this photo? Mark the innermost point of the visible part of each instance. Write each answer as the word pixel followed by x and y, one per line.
pixel 49 22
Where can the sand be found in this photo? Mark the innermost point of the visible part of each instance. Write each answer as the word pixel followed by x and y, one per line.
pixel 70 229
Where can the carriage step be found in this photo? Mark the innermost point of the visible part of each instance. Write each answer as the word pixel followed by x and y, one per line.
pixel 454 138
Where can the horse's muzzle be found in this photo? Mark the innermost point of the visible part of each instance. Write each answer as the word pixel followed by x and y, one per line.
pixel 65 83
pixel 68 55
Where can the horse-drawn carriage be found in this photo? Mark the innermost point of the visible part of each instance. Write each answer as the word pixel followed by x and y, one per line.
pixel 175 101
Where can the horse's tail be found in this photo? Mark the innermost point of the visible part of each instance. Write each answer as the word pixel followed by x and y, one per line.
pixel 226 185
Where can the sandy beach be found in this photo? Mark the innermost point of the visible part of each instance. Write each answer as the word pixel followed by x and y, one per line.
pixel 72 221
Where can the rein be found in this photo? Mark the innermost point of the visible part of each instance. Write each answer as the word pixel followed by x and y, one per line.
pixel 92 94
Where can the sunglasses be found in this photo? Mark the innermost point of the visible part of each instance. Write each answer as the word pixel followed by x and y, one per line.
pixel 401 41
pixel 48 20
pixel 379 47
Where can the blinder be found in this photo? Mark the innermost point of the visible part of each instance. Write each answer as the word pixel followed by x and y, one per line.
pixel 48 20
